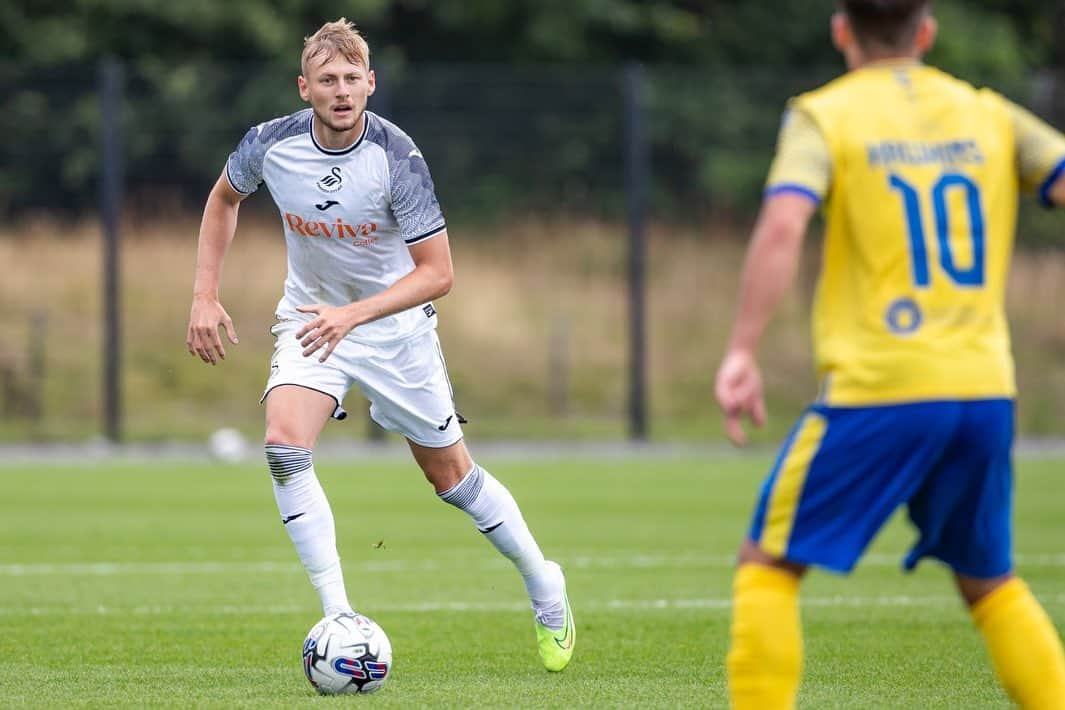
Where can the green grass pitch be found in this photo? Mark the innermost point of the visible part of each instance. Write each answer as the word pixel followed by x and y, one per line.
pixel 162 584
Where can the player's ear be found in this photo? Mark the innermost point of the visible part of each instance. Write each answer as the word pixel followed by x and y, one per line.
pixel 842 37
pixel 371 79
pixel 302 84
pixel 926 34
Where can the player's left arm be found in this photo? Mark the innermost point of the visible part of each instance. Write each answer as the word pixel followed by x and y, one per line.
pixel 431 278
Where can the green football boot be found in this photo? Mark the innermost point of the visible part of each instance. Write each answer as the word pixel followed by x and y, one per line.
pixel 556 646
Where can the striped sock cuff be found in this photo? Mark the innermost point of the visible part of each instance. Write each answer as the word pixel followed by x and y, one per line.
pixel 465 491
pixel 285 461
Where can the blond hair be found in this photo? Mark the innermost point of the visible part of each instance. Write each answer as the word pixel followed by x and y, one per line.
pixel 333 38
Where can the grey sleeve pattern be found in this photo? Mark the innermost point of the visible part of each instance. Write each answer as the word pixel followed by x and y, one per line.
pixel 244 168
pixel 414 202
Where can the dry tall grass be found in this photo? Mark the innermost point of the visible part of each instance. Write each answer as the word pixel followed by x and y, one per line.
pixel 534 330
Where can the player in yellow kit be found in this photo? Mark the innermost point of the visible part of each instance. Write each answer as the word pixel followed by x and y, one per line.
pixel 918 174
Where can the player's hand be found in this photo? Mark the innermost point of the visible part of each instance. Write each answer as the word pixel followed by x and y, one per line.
pixel 330 326
pixel 739 392
pixel 206 317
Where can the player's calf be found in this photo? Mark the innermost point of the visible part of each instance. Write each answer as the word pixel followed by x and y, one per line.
pixel 1025 650
pixel 308 520
pixel 765 655
pixel 496 515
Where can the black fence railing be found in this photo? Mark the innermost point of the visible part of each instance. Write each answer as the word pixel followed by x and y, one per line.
pixel 617 145
pixel 500 140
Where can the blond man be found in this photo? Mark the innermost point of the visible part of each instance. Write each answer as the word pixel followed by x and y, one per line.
pixel 367 253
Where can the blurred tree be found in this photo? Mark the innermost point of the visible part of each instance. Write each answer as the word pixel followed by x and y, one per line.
pixel 690 32
pixel 200 71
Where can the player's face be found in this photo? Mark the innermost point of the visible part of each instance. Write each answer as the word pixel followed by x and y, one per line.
pixel 337 91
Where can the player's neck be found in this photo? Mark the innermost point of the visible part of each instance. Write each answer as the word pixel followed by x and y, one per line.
pixel 337 140
pixel 891 61
pixel 878 59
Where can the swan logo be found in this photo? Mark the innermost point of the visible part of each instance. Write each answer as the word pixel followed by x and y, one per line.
pixel 331 182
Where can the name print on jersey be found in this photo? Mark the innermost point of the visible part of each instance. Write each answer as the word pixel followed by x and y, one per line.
pixel 359 233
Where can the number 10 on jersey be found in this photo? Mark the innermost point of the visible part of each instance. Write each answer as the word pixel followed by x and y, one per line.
pixel 973 276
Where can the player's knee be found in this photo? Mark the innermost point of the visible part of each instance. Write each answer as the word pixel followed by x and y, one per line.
pixel 751 553
pixel 285 460
pixel 444 475
pixel 443 468
pixel 281 435
pixel 973 589
pixel 443 478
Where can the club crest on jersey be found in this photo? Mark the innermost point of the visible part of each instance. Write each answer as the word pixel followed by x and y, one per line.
pixel 331 182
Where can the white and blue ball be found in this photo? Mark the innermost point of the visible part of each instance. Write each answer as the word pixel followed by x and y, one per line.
pixel 347 653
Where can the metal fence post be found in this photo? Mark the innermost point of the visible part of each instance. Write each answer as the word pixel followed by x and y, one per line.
pixel 637 169
pixel 110 88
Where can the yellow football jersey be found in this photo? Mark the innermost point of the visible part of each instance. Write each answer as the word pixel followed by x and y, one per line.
pixel 919 174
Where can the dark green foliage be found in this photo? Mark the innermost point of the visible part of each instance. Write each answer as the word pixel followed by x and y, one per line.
pixel 517 105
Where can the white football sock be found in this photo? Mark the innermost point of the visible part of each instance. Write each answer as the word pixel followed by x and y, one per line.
pixel 308 520
pixel 496 514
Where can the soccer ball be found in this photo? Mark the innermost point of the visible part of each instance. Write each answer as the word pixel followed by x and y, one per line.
pixel 228 445
pixel 347 653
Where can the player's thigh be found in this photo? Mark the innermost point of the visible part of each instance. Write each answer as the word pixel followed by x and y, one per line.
pixel 409 391
pixel 300 389
pixel 964 510
pixel 841 474
pixel 295 415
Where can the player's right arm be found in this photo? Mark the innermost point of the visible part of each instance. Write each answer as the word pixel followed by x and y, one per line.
pixel 798 181
pixel 216 233
pixel 1056 192
pixel 1040 156
pixel 772 261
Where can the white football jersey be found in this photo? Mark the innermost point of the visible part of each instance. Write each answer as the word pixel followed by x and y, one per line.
pixel 348 215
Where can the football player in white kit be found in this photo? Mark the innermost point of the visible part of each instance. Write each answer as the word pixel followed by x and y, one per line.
pixel 367 253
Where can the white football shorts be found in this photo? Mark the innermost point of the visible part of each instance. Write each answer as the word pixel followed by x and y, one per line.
pixel 406 382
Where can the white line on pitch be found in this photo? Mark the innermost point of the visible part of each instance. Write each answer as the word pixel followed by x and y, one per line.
pixel 90 569
pixel 611 605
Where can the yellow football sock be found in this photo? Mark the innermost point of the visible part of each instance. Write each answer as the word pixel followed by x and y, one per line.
pixel 1025 649
pixel 765 659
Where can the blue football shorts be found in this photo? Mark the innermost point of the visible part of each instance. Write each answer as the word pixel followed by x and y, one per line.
pixel 843 471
